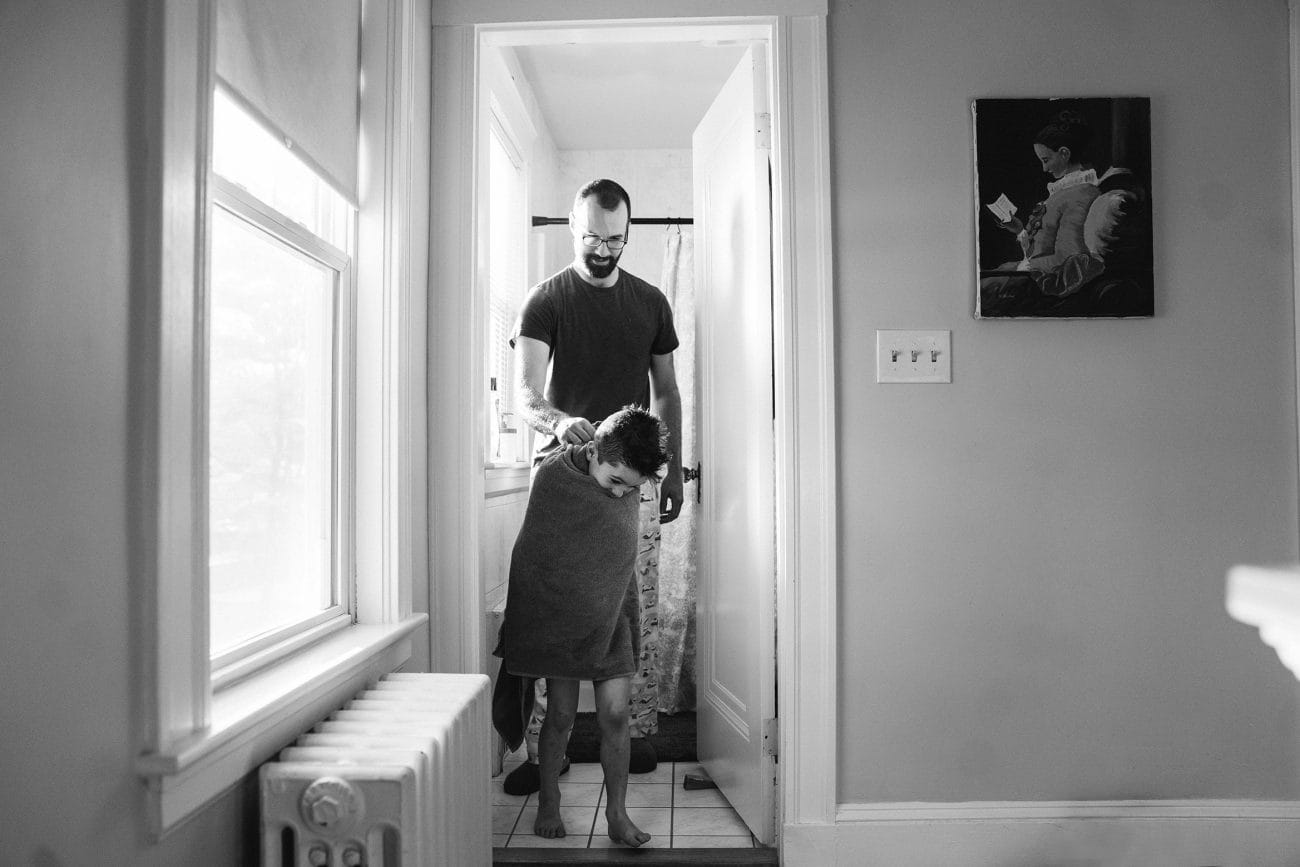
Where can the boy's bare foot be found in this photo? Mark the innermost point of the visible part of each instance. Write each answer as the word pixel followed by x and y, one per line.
pixel 548 823
pixel 621 830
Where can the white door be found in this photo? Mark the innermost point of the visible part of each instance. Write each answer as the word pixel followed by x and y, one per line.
pixel 736 655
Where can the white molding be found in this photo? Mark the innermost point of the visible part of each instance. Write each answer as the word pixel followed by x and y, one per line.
pixel 811 844
pixel 455 432
pixel 1180 833
pixel 1050 811
pixel 469 12
pixel 239 202
pixel 807 540
pixel 615 31
pixel 390 313
pixel 1293 30
pixel 169 379
pixel 418 73
pixel 254 719
pixel 807 564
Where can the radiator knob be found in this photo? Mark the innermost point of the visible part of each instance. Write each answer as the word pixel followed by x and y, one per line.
pixel 330 804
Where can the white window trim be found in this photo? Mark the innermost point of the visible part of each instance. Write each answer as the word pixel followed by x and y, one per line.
pixel 287 639
pixel 195 745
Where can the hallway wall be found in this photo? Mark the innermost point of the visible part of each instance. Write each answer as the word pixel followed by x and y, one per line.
pixel 1032 558
pixel 70 92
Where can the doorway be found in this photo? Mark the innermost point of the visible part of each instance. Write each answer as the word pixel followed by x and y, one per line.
pixel 802 361
pixel 658 117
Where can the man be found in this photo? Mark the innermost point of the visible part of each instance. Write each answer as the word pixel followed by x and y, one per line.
pixel 607 338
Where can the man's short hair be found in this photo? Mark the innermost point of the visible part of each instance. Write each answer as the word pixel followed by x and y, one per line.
pixel 608 195
pixel 634 437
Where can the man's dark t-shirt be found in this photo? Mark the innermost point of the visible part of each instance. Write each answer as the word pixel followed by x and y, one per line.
pixel 601 340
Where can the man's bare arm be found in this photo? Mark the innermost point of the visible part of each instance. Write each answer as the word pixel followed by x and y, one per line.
pixel 533 357
pixel 668 406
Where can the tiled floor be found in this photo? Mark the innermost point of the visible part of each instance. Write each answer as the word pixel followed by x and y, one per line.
pixel 674 817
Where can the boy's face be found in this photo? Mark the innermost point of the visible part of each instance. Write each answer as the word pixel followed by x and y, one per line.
pixel 616 478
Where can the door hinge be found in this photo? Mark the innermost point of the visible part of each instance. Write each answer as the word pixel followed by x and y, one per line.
pixel 772 737
pixel 763 126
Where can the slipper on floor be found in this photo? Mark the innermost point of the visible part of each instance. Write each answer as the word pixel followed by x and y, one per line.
pixel 642 759
pixel 527 778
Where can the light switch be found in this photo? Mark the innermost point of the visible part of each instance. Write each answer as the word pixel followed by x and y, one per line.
pixel 913 356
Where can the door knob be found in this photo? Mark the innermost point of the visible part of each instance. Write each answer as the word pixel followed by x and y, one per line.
pixel 695 475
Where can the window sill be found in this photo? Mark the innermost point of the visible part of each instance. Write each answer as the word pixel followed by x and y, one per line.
pixel 507 465
pixel 256 717
pixel 505 481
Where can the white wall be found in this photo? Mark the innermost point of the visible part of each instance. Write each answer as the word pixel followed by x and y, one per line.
pixel 68 96
pixel 1033 557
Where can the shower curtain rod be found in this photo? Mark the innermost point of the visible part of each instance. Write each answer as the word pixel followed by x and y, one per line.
pixel 636 221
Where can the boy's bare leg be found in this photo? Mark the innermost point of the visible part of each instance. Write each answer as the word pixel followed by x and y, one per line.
pixel 561 706
pixel 612 715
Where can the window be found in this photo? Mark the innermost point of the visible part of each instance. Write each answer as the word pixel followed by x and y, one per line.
pixel 278 362
pixel 280 396
pixel 507 245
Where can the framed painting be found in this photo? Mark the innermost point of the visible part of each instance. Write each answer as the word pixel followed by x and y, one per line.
pixel 1063 208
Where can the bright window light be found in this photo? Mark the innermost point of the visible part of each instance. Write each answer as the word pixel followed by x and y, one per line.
pixel 278 363
pixel 506 286
pixel 270 387
pixel 245 153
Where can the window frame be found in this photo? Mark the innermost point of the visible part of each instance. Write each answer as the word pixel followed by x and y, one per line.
pixel 500 129
pixel 267 649
pixel 198 736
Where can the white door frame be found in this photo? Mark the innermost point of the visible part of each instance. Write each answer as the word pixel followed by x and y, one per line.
pixel 806 534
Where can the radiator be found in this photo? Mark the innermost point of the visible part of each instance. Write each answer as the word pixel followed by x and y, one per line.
pixel 397 777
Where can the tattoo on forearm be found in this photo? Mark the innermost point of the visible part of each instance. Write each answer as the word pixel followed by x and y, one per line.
pixel 539 414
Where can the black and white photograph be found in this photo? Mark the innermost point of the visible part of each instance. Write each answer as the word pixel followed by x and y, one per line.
pixel 1063 217
pixel 751 433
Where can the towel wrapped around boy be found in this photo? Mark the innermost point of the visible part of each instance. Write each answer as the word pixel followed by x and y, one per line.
pixel 571 608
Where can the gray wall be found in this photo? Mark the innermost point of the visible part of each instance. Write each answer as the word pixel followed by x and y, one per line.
pixel 67 733
pixel 1033 557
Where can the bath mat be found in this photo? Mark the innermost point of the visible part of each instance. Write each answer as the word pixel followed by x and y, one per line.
pixel 675 741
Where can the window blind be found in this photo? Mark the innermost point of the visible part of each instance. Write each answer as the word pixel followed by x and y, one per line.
pixel 506 278
pixel 296 65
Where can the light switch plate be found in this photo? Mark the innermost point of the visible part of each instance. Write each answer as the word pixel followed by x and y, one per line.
pixel 913 356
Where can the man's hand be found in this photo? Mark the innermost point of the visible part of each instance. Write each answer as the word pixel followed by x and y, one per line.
pixel 670 497
pixel 574 429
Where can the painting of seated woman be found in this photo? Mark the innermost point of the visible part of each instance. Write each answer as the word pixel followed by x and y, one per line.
pixel 1063 208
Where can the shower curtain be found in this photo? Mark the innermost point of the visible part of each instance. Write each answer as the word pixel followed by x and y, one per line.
pixel 678 539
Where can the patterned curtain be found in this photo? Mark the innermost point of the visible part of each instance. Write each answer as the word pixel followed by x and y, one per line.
pixel 678 543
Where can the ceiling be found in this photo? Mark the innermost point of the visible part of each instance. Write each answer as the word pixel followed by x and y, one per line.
pixel 625 95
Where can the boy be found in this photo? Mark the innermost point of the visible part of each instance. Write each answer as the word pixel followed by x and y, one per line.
pixel 571 608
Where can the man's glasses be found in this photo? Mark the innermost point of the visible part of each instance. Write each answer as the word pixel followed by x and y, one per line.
pixel 593 241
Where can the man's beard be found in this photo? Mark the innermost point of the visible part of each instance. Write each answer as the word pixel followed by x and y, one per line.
pixel 600 270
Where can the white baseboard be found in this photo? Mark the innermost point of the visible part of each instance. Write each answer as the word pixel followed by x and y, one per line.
pixel 1192 833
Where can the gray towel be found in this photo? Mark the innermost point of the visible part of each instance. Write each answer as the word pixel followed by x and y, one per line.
pixel 572 604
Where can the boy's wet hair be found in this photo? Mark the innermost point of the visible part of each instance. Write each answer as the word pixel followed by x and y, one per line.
pixel 634 437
